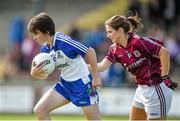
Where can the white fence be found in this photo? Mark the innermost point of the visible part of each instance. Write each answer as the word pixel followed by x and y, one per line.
pixel 20 99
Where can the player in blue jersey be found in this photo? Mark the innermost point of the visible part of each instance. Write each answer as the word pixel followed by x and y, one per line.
pixel 75 84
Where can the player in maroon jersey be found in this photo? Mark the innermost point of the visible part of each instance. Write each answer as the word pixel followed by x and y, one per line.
pixel 147 60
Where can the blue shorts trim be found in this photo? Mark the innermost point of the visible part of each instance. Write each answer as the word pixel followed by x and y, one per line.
pixel 79 92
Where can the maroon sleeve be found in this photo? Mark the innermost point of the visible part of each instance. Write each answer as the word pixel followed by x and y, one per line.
pixel 110 56
pixel 148 46
pixel 157 41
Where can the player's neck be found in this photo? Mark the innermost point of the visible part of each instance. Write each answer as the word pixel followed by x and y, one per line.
pixel 123 41
pixel 50 41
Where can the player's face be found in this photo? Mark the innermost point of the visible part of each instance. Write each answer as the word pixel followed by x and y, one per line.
pixel 112 34
pixel 39 37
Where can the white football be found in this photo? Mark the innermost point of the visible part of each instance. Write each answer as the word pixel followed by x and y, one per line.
pixel 44 60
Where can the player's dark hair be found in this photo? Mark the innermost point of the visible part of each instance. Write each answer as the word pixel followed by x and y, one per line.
pixel 42 22
pixel 130 23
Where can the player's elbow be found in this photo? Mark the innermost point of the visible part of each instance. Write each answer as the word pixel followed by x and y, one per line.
pixel 91 50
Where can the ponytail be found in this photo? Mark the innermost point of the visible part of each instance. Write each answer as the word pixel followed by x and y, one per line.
pixel 135 23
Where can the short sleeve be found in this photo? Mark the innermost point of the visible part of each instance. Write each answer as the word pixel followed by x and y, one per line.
pixel 70 46
pixel 110 56
pixel 81 49
pixel 148 46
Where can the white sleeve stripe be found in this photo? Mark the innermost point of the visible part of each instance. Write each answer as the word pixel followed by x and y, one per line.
pixel 77 45
pixel 74 42
pixel 74 45
pixel 67 38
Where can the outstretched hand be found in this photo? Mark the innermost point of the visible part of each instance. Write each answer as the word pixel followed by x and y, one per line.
pixel 96 83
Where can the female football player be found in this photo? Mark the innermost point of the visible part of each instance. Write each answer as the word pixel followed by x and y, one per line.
pixel 147 60
pixel 75 84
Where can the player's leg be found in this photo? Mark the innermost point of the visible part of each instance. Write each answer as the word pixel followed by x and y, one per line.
pixel 92 112
pixel 162 100
pixel 50 101
pixel 137 111
pixel 140 114
pixel 83 95
pixel 137 114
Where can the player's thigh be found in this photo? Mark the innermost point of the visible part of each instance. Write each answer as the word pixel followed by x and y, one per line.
pixel 92 112
pixel 137 114
pixel 51 100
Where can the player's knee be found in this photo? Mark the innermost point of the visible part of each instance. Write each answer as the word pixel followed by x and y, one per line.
pixel 39 111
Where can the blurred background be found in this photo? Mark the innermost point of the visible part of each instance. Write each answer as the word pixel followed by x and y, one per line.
pixel 84 21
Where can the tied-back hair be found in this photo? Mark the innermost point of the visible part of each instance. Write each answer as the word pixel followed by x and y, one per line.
pixel 131 23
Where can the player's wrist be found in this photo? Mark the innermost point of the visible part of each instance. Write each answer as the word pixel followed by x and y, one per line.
pixel 165 77
pixel 168 82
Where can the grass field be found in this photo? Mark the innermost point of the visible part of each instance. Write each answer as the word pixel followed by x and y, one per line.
pixel 55 117
pixel 21 117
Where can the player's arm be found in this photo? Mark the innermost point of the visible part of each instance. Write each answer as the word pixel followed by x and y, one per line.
pixel 165 61
pixel 103 65
pixel 92 60
pixel 164 57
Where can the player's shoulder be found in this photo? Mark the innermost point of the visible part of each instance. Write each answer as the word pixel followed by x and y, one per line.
pixel 152 40
pixel 62 38
pixel 113 46
pixel 60 35
pixel 134 37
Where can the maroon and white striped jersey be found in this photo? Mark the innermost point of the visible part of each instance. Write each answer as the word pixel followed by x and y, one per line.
pixel 139 57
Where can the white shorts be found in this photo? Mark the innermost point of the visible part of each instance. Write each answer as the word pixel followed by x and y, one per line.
pixel 156 100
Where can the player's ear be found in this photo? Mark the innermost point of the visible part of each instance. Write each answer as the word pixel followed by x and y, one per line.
pixel 47 34
pixel 120 30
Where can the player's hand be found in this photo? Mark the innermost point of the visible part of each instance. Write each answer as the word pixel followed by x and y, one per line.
pixel 168 82
pixel 38 73
pixel 96 83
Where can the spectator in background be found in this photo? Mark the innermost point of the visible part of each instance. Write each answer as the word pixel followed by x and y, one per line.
pixel 116 76
pixel 29 49
pixel 156 11
pixel 178 44
pixel 169 14
pixel 13 61
pixel 15 39
pixel 177 10
pixel 135 6
pixel 172 46
pixel 74 32
pixel 94 37
pixel 156 32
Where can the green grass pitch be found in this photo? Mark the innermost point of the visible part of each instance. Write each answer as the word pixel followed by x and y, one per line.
pixel 55 117
pixel 31 117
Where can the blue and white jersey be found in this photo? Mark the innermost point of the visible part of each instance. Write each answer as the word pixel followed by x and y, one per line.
pixel 67 54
